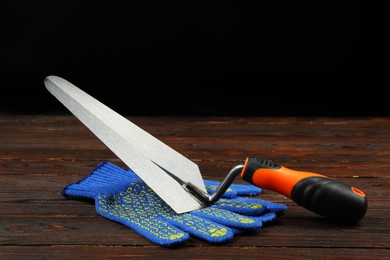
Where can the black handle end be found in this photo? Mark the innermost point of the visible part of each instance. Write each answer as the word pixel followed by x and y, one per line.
pixel 331 198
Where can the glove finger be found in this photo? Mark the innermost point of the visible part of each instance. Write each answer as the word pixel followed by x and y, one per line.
pixel 229 218
pixel 241 205
pixel 211 186
pixel 150 226
pixel 245 189
pixel 234 190
pixel 266 218
pixel 251 206
pixel 202 228
pixel 274 207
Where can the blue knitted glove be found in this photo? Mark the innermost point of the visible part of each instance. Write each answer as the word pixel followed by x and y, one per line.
pixel 121 196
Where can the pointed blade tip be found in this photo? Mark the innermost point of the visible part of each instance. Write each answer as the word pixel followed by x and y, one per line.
pixel 50 82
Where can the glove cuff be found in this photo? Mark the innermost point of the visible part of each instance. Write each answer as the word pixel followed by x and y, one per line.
pixel 106 178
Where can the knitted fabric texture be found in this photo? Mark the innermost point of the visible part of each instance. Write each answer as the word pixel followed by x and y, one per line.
pixel 123 197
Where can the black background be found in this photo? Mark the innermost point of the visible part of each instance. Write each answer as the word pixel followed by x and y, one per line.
pixel 195 57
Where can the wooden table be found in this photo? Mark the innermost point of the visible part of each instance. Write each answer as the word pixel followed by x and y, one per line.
pixel 39 155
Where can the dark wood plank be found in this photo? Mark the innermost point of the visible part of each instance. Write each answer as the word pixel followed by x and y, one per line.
pixel 298 229
pixel 190 251
pixel 39 155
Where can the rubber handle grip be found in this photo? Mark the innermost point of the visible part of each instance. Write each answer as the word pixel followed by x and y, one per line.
pixel 320 194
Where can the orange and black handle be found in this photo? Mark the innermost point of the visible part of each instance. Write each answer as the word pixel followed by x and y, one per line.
pixel 323 195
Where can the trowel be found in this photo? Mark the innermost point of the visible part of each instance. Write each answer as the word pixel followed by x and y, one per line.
pixel 178 180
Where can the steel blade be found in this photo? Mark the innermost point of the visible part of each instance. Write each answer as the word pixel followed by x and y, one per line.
pixel 138 149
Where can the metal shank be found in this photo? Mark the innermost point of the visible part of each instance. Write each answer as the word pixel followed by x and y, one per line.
pixel 207 199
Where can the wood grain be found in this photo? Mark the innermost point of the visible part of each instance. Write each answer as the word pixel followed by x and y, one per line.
pixel 40 155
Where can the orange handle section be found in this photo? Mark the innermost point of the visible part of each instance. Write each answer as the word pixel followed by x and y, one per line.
pixel 315 192
pixel 269 175
pixel 281 180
